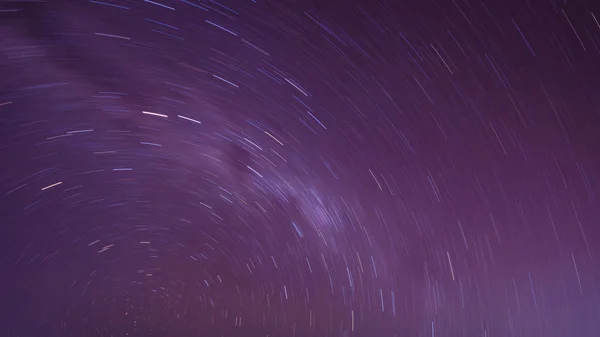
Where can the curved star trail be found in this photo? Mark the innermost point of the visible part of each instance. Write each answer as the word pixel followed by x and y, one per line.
pixel 296 168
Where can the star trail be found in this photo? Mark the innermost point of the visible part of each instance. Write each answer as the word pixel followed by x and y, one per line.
pixel 326 168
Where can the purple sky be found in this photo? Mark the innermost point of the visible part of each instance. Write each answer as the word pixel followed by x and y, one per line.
pixel 297 169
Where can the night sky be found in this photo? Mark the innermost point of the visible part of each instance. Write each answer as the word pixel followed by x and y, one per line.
pixel 277 168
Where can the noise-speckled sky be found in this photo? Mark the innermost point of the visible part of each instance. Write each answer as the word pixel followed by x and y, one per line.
pixel 263 168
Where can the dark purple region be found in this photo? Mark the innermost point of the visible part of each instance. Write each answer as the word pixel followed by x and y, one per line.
pixel 297 169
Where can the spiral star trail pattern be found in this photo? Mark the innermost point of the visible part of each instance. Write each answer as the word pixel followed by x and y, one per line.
pixel 295 168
